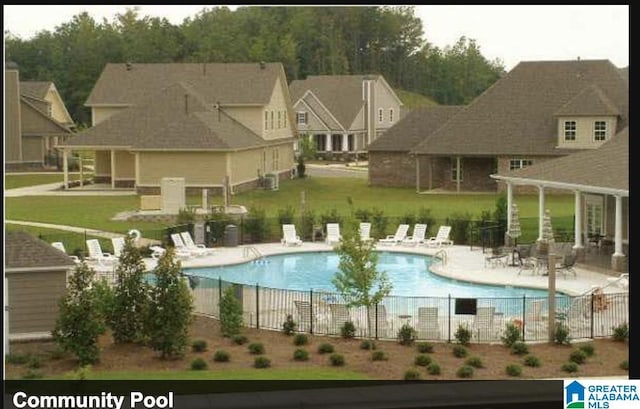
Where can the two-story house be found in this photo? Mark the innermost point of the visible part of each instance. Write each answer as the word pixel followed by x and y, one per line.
pixel 36 120
pixel 343 114
pixel 201 122
pixel 539 111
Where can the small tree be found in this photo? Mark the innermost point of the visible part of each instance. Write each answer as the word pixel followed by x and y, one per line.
pixel 131 297
pixel 230 313
pixel 359 277
pixel 170 309
pixel 80 321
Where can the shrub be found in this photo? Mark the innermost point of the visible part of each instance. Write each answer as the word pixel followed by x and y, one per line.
pixel 221 356
pixel 459 351
pixel 411 375
pixel 261 362
pixel 307 220
pixel 512 334
pixel 286 215
pixel 519 348
pixel 199 364
pixel 425 347
pixel 336 359
pixel 474 361
pixel 18 359
pixel 424 216
pixel 408 218
pixel 82 373
pixel 459 223
pixel 462 335
pixel 561 335
pixel 230 313
pixel 300 339
pixel 239 339
pixel 570 367
pixel 588 349
pixel 621 332
pixel 465 371
pixel 422 360
pixel 330 216
pixel 367 344
pixel 378 222
pixel 578 356
pixel 199 345
pixel 379 356
pixel 255 224
pixel 301 355
pixel 289 326
pixel 514 370
pixel 34 362
pixel 31 374
pixel 624 365
pixel 348 330
pixel 186 215
pixel 532 361
pixel 406 335
pixel 433 368
pixel 325 348
pixel 256 348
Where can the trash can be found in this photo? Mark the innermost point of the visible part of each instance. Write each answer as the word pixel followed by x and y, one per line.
pixel 231 235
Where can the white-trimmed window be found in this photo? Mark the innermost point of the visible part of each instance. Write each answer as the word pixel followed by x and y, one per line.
pixel 266 120
pixel 454 170
pixel 380 115
pixel 279 119
pixel 302 118
pixel 599 131
pixel 390 114
pixel 569 130
pixel 284 118
pixel 272 119
pixel 519 163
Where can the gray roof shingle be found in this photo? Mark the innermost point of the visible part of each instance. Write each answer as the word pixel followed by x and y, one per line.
pixel 415 127
pixel 35 89
pixel 22 250
pixel 516 114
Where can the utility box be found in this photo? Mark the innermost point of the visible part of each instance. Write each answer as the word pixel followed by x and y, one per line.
pixel 230 235
pixel 173 195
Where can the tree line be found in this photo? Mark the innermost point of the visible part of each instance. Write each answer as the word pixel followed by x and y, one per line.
pixel 385 40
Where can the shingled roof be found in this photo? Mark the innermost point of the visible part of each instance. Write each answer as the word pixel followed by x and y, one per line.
pixel 177 117
pixel 35 89
pixel 516 115
pixel 22 251
pixel 42 124
pixel 415 127
pixel 226 83
pixel 606 167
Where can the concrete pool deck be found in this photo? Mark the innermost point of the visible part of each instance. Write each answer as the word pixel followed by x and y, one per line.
pixel 462 264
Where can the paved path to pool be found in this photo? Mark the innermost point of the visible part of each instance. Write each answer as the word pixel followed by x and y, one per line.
pixel 462 264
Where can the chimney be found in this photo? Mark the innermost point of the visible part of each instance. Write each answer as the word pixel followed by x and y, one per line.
pixel 262 65
pixel 129 66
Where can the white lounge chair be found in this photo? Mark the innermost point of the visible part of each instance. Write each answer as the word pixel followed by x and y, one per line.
pixel 428 324
pixel 181 249
pixel 118 245
pixel 380 325
pixel 441 238
pixel 401 234
pixel 289 235
pixel 419 231
pixel 621 281
pixel 58 245
pixel 333 233
pixel 199 249
pixel 96 254
pixel 339 316
pixel 365 231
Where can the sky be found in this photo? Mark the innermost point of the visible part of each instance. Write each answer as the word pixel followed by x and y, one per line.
pixel 510 33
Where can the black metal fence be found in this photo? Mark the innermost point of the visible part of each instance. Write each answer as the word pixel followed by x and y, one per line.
pixel 433 318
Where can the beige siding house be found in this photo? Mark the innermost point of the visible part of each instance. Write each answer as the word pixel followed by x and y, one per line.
pixel 599 180
pixel 36 120
pixel 537 112
pixel 201 122
pixel 36 277
pixel 343 114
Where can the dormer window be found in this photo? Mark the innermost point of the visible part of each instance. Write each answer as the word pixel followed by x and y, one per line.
pixel 390 114
pixel 569 130
pixel 301 118
pixel 599 131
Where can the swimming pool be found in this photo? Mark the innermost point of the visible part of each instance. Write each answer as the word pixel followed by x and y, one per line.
pixel 409 274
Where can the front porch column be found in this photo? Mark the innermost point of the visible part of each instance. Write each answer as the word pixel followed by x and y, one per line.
pixel 345 142
pixel 458 174
pixel 328 146
pixel 618 258
pixel 65 168
pixel 540 210
pixel 113 169
pixel 577 231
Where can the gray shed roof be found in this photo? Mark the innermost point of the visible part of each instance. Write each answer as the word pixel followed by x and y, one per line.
pixel 516 115
pixel 415 127
pixel 227 83
pixel 604 167
pixel 23 250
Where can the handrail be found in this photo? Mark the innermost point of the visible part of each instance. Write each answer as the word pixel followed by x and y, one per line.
pixel 442 254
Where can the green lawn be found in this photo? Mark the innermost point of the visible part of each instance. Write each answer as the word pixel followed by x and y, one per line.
pixel 73 242
pixel 15 181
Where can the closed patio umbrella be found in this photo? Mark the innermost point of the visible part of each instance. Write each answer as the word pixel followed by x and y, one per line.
pixel 514 229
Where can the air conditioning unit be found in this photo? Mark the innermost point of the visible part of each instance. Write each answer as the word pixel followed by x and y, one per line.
pixel 271 181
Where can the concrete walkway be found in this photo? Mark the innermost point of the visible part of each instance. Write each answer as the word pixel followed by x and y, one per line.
pixel 54 189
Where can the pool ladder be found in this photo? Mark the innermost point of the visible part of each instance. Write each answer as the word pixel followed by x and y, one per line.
pixel 442 255
pixel 248 252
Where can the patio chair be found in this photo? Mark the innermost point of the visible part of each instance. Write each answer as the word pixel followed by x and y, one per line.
pixel 181 248
pixel 534 321
pixel 339 316
pixel 304 311
pixel 401 234
pixel 365 231
pixel 419 231
pixel 333 233
pixel 428 325
pixel 567 265
pixel 157 252
pixel 58 245
pixel 441 238
pixel 96 254
pixel 526 260
pixel 484 327
pixel 289 235
pixel 118 245
pixel 199 249
pixel 380 325
pixel 621 281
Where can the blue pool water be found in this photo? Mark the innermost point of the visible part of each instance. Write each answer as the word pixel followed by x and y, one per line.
pixel 409 274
